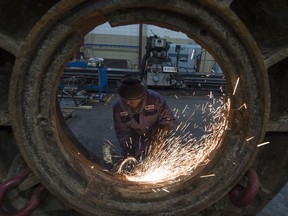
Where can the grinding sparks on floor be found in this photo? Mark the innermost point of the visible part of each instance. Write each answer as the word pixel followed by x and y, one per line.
pixel 181 154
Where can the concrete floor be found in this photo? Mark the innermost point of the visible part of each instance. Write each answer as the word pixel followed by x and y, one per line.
pixel 94 129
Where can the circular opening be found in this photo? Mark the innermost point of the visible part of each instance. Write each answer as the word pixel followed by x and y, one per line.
pixel 48 142
pixel 189 92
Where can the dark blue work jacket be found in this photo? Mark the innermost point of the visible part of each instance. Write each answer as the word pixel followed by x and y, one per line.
pixel 133 134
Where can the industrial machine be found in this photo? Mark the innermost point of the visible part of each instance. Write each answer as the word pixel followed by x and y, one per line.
pixel 93 79
pixel 157 66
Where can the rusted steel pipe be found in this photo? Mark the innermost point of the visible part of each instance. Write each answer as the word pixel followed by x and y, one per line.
pixel 47 146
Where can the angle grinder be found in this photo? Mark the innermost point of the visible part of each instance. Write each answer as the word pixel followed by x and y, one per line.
pixel 127 165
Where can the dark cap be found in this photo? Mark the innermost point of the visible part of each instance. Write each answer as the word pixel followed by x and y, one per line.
pixel 131 87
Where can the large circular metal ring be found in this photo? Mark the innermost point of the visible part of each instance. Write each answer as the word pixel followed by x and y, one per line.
pixel 49 148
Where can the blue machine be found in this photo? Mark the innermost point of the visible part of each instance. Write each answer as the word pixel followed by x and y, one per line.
pixel 89 84
pixel 102 86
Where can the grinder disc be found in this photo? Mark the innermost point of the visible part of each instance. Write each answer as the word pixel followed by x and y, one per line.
pixel 127 166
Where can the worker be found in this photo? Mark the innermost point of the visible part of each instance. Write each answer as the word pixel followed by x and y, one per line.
pixel 140 115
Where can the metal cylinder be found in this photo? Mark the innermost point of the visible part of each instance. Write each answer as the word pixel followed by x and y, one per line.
pixel 47 145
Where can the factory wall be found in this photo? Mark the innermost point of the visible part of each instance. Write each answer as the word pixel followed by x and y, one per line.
pixel 113 47
pixel 126 48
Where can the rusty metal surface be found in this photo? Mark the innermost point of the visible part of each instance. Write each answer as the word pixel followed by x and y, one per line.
pixel 42 48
